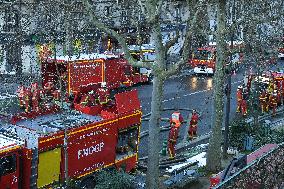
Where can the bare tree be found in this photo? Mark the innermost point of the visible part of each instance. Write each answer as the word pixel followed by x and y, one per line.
pixel 214 151
pixel 152 10
pixel 253 17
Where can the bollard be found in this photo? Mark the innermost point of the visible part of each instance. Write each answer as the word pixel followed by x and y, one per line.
pixel 248 143
pixel 164 149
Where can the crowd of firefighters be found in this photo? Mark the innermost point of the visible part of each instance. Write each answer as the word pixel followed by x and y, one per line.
pixel 34 98
pixel 175 123
pixel 271 94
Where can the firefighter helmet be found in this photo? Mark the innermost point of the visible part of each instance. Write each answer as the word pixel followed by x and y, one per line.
pixel 103 84
pixel 275 92
pixel 240 87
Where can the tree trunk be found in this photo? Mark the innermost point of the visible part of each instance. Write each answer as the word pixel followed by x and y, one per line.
pixel 152 179
pixel 214 151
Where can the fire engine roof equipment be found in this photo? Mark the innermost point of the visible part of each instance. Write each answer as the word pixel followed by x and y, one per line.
pixel 46 124
pixel 8 143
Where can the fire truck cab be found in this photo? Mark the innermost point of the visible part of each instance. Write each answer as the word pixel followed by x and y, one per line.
pixel 203 60
pixel 10 157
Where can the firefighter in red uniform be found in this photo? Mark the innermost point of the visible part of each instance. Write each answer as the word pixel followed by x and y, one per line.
pixel 27 99
pixel 271 87
pixel 21 93
pixel 35 96
pixel 88 100
pixel 278 84
pixel 173 135
pixel 176 119
pixel 48 90
pixel 273 103
pixel 250 77
pixel 56 95
pixel 239 98
pixel 192 131
pixel 282 88
pixel 103 94
pixel 263 102
pixel 278 97
pixel 244 102
pixel 77 98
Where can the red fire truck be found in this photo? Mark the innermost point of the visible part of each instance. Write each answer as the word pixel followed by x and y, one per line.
pixel 203 60
pixel 35 157
pixel 91 69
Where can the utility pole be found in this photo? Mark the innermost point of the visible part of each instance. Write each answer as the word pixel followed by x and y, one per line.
pixel 228 88
pixel 68 31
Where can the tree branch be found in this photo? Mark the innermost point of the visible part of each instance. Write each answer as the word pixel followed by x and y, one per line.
pixel 159 7
pixel 142 7
pixel 187 44
pixel 120 39
pixel 173 41
pixel 153 8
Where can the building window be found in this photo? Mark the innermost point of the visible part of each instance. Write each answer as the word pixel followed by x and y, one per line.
pixel 124 15
pixel 107 10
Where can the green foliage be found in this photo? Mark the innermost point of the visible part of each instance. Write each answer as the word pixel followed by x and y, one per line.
pixel 278 136
pixel 114 180
pixel 72 184
pixel 262 134
pixel 238 130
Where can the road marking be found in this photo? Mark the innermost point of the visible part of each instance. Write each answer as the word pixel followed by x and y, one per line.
pixel 197 92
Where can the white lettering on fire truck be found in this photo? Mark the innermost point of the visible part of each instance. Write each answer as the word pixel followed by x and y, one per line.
pixel 94 166
pixel 91 150
pixel 94 133
pixel 15 179
pixel 86 66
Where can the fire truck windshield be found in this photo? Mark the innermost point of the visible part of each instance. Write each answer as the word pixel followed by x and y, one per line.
pixel 202 55
pixel 7 164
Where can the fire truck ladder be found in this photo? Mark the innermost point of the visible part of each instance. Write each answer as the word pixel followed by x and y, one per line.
pixel 34 169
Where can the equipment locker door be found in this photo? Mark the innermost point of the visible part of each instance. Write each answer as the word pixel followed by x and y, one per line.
pixel 49 167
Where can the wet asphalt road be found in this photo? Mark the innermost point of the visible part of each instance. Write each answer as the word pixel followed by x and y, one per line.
pixel 187 91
